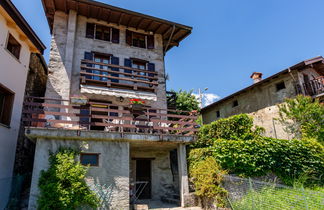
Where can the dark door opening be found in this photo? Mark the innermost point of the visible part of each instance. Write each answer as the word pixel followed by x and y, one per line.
pixel 143 174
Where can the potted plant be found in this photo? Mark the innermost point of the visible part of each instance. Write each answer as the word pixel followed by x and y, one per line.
pixel 78 100
pixel 137 104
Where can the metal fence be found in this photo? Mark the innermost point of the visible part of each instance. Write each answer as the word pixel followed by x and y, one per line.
pixel 245 194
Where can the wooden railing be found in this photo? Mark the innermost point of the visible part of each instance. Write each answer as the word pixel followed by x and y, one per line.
pixel 56 113
pixel 115 76
pixel 312 88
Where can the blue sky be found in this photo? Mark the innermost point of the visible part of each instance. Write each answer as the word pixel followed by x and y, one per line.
pixel 230 39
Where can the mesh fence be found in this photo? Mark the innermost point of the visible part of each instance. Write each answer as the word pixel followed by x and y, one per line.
pixel 253 194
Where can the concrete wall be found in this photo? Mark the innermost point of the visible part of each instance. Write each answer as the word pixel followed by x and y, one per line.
pixel 13 76
pixel 261 103
pixel 113 169
pixel 67 50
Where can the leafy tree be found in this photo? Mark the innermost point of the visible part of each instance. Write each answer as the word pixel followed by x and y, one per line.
pixel 62 186
pixel 186 101
pixel 303 117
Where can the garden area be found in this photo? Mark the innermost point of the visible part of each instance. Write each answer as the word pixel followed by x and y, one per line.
pixel 234 148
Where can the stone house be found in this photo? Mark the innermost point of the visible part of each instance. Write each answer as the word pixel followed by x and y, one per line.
pixel 106 95
pixel 17 42
pixel 261 98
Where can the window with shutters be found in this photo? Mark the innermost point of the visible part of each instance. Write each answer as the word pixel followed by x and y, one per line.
pixel 139 40
pixel 13 46
pixel 100 32
pixel 6 104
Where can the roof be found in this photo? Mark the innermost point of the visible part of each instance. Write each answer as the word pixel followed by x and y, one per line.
pixel 119 16
pixel 13 12
pixel 318 59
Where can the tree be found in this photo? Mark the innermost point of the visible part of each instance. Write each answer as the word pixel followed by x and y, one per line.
pixel 303 117
pixel 186 101
pixel 62 186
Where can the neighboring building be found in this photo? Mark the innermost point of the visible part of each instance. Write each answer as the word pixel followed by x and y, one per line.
pixel 17 42
pixel 260 99
pixel 112 55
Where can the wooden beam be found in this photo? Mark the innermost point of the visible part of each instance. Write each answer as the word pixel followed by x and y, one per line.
pixel 11 24
pixel 120 18
pixel 88 11
pixel 99 13
pixel 158 28
pixel 22 37
pixel 170 38
pixel 129 21
pixel 139 23
pixel 108 16
pixel 65 6
pixel 149 25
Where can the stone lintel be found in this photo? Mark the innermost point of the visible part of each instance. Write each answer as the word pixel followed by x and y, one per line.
pixel 83 135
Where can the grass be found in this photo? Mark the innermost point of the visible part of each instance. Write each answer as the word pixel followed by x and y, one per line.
pixel 282 198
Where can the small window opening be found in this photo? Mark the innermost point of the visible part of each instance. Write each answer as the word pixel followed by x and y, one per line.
pixel 217 114
pixel 13 46
pixel 89 159
pixel 280 86
pixel 235 103
pixel 6 104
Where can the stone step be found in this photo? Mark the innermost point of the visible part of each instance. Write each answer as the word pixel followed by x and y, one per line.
pixel 170 200
pixel 140 207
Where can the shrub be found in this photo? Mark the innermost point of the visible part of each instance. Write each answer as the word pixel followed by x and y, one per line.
pixel 303 117
pixel 207 176
pixel 237 127
pixel 62 186
pixel 288 159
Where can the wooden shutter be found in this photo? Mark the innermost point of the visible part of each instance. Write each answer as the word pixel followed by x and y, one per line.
pixel 115 60
pixel 88 56
pixel 90 30
pixel 128 63
pixel 150 42
pixel 129 37
pixel 115 35
pixel 151 67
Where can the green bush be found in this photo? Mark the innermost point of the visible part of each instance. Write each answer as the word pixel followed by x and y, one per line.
pixel 288 159
pixel 62 186
pixel 207 176
pixel 303 117
pixel 237 127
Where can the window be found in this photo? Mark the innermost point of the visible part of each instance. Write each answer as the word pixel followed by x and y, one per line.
pixel 89 159
pixel 280 86
pixel 235 103
pixel 139 40
pixel 100 32
pixel 217 114
pixel 6 103
pixel 13 46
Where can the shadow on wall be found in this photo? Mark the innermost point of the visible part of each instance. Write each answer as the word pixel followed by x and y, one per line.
pixel 104 192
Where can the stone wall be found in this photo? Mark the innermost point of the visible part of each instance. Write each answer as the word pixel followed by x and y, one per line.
pixel 261 103
pixel 64 65
pixel 113 169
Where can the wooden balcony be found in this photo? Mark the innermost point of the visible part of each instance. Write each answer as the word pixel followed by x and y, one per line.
pixel 61 114
pixel 115 76
pixel 313 88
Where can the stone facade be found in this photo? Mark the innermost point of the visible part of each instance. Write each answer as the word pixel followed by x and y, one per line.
pixel 261 101
pixel 68 46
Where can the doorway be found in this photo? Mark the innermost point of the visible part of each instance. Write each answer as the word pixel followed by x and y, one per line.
pixel 143 174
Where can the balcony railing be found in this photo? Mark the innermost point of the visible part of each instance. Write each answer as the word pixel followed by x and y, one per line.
pixel 312 88
pixel 56 113
pixel 115 76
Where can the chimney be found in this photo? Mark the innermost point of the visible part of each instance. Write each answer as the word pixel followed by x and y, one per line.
pixel 256 76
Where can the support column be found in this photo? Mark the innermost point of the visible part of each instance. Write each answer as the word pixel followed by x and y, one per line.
pixel 183 174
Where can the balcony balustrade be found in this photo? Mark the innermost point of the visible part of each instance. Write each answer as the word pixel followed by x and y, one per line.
pixel 115 76
pixel 314 87
pixel 62 114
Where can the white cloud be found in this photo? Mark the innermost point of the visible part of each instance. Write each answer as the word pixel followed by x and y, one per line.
pixel 207 98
